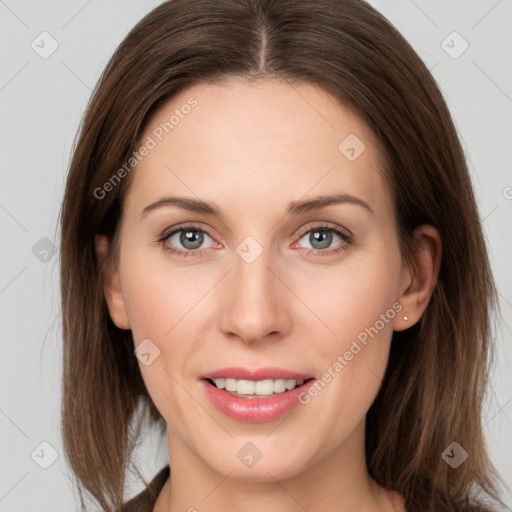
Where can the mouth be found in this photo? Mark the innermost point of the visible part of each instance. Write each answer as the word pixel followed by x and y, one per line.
pixel 255 396
pixel 257 389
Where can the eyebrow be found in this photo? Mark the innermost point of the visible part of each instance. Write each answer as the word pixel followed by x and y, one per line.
pixel 294 208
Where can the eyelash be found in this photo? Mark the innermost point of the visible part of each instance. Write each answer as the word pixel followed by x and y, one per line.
pixel 347 241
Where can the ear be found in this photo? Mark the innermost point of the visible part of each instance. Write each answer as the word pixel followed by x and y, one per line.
pixel 111 284
pixel 419 278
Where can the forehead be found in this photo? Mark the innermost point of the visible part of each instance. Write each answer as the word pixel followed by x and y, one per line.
pixel 257 144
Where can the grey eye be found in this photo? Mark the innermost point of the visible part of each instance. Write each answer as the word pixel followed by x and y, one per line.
pixel 190 239
pixel 320 238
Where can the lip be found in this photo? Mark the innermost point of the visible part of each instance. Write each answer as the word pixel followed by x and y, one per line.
pixel 255 410
pixel 240 373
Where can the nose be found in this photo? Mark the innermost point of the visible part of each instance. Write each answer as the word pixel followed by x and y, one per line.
pixel 255 300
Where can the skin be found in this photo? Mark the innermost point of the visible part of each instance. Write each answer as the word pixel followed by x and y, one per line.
pixel 265 144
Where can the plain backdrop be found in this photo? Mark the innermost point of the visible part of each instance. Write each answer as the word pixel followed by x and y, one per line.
pixel 42 99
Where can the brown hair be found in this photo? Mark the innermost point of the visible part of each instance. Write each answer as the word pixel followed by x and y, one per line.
pixel 437 374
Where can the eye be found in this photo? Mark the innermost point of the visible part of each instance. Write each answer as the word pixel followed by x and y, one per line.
pixel 185 241
pixel 322 237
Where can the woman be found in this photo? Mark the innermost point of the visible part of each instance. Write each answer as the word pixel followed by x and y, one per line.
pixel 271 243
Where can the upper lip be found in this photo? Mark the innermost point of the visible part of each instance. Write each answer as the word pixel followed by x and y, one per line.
pixel 255 374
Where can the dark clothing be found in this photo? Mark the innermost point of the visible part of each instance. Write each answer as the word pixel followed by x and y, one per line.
pixel 145 501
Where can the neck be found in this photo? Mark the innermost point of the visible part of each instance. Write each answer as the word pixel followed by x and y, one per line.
pixel 339 481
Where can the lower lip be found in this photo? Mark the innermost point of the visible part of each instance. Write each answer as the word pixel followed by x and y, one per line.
pixel 255 410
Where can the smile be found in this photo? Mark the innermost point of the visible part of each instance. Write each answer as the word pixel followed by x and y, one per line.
pixel 255 396
pixel 255 389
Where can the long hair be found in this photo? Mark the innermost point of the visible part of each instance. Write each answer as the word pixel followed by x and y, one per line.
pixel 436 378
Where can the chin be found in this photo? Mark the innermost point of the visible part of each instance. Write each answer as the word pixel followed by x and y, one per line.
pixel 259 459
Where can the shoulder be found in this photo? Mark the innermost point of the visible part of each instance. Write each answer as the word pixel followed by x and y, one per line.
pixel 145 501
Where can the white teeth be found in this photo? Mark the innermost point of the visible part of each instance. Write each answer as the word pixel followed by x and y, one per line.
pixel 279 386
pixel 259 388
pixel 230 384
pixel 245 387
pixel 290 384
pixel 263 387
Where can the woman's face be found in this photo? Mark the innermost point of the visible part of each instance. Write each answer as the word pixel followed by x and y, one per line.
pixel 276 286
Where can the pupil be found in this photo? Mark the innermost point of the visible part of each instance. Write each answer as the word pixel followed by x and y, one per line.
pixel 187 237
pixel 324 239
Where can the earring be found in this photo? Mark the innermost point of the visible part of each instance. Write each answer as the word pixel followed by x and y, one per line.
pixel 405 318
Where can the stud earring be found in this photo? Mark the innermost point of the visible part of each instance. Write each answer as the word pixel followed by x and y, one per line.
pixel 405 318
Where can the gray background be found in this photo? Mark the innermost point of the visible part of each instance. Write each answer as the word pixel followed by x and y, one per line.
pixel 42 101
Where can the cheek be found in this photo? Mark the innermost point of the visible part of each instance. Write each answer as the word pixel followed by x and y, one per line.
pixel 358 305
pixel 161 312
pixel 350 298
pixel 159 295
pixel 164 305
